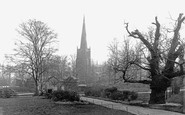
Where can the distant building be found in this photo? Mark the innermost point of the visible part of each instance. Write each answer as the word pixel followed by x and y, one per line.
pixel 83 61
pixel 68 83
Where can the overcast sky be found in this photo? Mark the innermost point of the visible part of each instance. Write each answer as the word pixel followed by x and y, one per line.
pixel 104 20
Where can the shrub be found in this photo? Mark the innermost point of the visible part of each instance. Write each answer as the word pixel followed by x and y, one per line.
pixel 93 92
pixel 112 93
pixel 109 91
pixel 123 95
pixel 7 93
pixel 88 92
pixel 133 95
pixel 73 96
pixel 176 98
pixel 118 95
pixel 48 93
pixel 65 96
pixel 130 95
pixel 59 95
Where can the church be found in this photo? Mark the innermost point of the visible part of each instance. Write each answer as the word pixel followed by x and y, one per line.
pixel 83 60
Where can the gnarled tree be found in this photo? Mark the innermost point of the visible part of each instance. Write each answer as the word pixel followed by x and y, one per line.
pixel 163 65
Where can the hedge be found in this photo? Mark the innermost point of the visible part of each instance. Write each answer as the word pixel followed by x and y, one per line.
pixel 93 92
pixel 63 96
pixel 112 93
pixel 7 93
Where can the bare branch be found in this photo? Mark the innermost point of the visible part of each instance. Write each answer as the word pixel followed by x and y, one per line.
pixel 176 34
pixel 132 62
pixel 157 34
pixel 138 81
pixel 137 34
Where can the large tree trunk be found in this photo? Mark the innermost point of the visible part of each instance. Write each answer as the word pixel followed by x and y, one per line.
pixel 157 96
pixel 36 89
pixel 158 87
pixel 183 95
pixel 36 85
pixel 161 78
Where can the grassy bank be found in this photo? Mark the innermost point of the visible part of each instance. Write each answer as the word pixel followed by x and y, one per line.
pixel 39 106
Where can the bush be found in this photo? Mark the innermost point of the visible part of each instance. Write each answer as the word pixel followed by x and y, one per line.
pixel 7 93
pixel 93 92
pixel 65 96
pixel 109 91
pixel 73 96
pixel 88 92
pixel 118 95
pixel 112 93
pixel 48 94
pixel 176 98
pixel 123 95
pixel 130 95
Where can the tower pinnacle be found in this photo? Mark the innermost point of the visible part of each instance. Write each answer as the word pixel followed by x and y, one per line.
pixel 83 44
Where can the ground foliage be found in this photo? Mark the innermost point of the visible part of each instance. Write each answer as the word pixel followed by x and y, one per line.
pixel 65 96
pixel 112 93
pixel 7 93
pixel 38 106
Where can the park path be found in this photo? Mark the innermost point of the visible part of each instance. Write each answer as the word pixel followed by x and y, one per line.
pixel 131 109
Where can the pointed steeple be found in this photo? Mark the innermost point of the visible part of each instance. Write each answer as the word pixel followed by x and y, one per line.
pixel 83 44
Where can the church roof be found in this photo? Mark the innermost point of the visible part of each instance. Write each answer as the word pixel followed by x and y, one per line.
pixel 83 44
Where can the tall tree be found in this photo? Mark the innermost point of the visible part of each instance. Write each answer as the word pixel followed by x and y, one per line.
pixel 73 65
pixel 20 72
pixel 35 48
pixel 162 61
pixel 57 66
pixel 6 72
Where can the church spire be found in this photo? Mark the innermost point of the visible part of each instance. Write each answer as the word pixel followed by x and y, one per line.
pixel 83 44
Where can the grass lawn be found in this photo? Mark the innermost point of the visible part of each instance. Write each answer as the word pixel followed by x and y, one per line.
pixel 38 106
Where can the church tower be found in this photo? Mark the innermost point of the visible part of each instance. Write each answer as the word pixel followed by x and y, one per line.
pixel 83 61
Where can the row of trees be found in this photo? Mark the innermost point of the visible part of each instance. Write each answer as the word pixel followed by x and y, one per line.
pixel 57 67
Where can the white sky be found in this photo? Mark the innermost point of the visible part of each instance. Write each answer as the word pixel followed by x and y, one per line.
pixel 104 20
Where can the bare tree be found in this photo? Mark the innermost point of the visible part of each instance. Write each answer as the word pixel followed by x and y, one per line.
pixel 35 48
pixel 162 61
pixel 20 72
pixel 6 72
pixel 56 67
pixel 121 61
pixel 73 64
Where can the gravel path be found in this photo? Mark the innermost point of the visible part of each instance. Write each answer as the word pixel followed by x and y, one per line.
pixel 37 106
